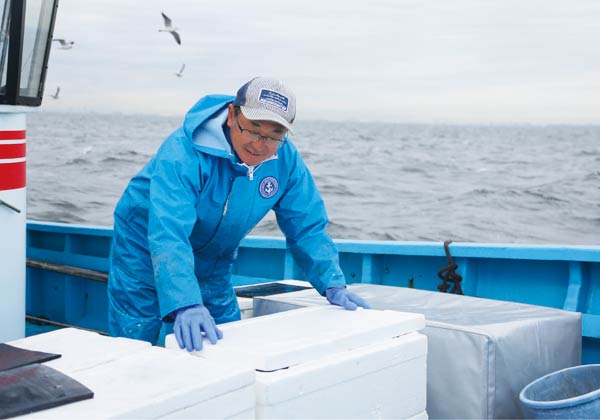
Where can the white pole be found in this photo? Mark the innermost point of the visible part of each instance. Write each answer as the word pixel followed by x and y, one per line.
pixel 12 223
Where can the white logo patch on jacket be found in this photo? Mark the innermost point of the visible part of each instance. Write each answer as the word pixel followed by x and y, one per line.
pixel 268 187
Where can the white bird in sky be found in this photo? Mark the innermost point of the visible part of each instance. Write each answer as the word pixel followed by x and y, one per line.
pixel 55 96
pixel 180 72
pixel 64 45
pixel 170 29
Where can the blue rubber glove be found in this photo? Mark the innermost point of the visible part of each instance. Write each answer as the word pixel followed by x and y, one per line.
pixel 190 323
pixel 347 300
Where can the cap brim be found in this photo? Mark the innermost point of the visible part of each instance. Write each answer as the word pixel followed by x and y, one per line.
pixel 265 115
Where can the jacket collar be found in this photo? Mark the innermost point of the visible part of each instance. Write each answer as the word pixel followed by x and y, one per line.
pixel 203 125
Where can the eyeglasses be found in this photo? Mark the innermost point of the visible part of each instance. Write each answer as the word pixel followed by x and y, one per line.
pixel 254 136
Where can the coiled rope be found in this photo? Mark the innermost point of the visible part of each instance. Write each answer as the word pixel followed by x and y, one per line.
pixel 449 275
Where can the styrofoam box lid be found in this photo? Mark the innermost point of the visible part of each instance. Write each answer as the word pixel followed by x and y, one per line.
pixel 152 383
pixel 290 338
pixel 80 349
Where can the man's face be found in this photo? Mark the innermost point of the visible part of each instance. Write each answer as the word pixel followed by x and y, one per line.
pixel 245 140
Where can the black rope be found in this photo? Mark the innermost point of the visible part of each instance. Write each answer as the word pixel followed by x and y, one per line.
pixel 449 275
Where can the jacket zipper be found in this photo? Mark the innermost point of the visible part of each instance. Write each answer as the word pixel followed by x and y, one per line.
pixel 253 168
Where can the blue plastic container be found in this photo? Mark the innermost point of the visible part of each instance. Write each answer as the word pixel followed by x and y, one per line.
pixel 572 393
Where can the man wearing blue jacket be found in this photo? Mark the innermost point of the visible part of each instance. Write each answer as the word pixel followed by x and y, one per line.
pixel 179 222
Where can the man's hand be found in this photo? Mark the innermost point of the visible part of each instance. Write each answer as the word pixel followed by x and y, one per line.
pixel 347 300
pixel 190 323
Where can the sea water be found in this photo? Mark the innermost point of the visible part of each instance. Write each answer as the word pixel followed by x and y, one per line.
pixel 380 181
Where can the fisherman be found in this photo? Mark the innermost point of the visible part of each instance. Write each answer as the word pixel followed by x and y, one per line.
pixel 180 221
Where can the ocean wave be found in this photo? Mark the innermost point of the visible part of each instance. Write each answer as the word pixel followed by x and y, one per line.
pixel 591 152
pixel 56 215
pixel 77 161
pixel 592 176
pixel 546 197
pixel 117 159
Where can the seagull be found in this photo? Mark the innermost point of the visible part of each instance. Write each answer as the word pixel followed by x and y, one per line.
pixel 55 96
pixel 180 72
pixel 170 29
pixel 64 45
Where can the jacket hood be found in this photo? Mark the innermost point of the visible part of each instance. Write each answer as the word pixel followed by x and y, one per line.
pixel 206 117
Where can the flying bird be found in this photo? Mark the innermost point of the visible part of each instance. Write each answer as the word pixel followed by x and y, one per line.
pixel 170 29
pixel 180 72
pixel 55 96
pixel 64 45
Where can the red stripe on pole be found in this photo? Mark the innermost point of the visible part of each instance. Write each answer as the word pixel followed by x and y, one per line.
pixel 12 176
pixel 12 135
pixel 12 151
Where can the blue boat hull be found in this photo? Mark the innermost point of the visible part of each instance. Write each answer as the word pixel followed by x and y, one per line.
pixel 564 277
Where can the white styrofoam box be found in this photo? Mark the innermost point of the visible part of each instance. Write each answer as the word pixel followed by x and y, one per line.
pixel 482 352
pixel 80 349
pixel 246 307
pixel 326 362
pixel 150 382
pixel 382 380
pixel 290 338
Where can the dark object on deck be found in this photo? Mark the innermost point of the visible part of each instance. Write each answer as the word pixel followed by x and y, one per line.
pixel 267 289
pixel 31 388
pixel 12 357
pixel 449 275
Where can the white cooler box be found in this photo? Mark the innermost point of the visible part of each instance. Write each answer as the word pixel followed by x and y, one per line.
pixel 132 379
pixel 482 352
pixel 326 362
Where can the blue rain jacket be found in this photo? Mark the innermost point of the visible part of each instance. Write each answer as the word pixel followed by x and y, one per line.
pixel 181 218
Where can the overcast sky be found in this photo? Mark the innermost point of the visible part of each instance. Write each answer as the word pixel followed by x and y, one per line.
pixel 459 61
